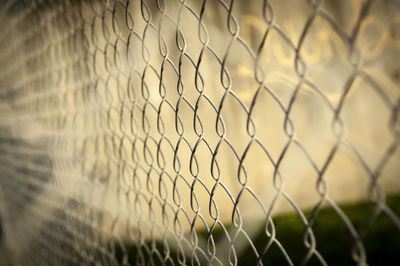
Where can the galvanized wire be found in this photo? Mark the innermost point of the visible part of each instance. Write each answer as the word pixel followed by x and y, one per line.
pixel 176 131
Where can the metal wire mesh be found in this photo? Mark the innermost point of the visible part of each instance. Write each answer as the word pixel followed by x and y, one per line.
pixel 175 131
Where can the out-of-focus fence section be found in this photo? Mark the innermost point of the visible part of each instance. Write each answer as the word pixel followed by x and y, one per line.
pixel 179 132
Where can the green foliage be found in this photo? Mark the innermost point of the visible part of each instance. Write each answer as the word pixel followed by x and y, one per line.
pixel 333 239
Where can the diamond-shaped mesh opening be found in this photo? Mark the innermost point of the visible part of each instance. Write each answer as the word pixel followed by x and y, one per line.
pixel 199 132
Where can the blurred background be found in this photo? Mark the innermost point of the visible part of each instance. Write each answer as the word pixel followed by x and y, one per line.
pixel 199 132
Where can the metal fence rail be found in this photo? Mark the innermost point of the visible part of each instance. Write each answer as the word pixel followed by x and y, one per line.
pixel 192 132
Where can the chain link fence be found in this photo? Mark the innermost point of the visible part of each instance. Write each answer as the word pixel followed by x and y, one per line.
pixel 211 132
